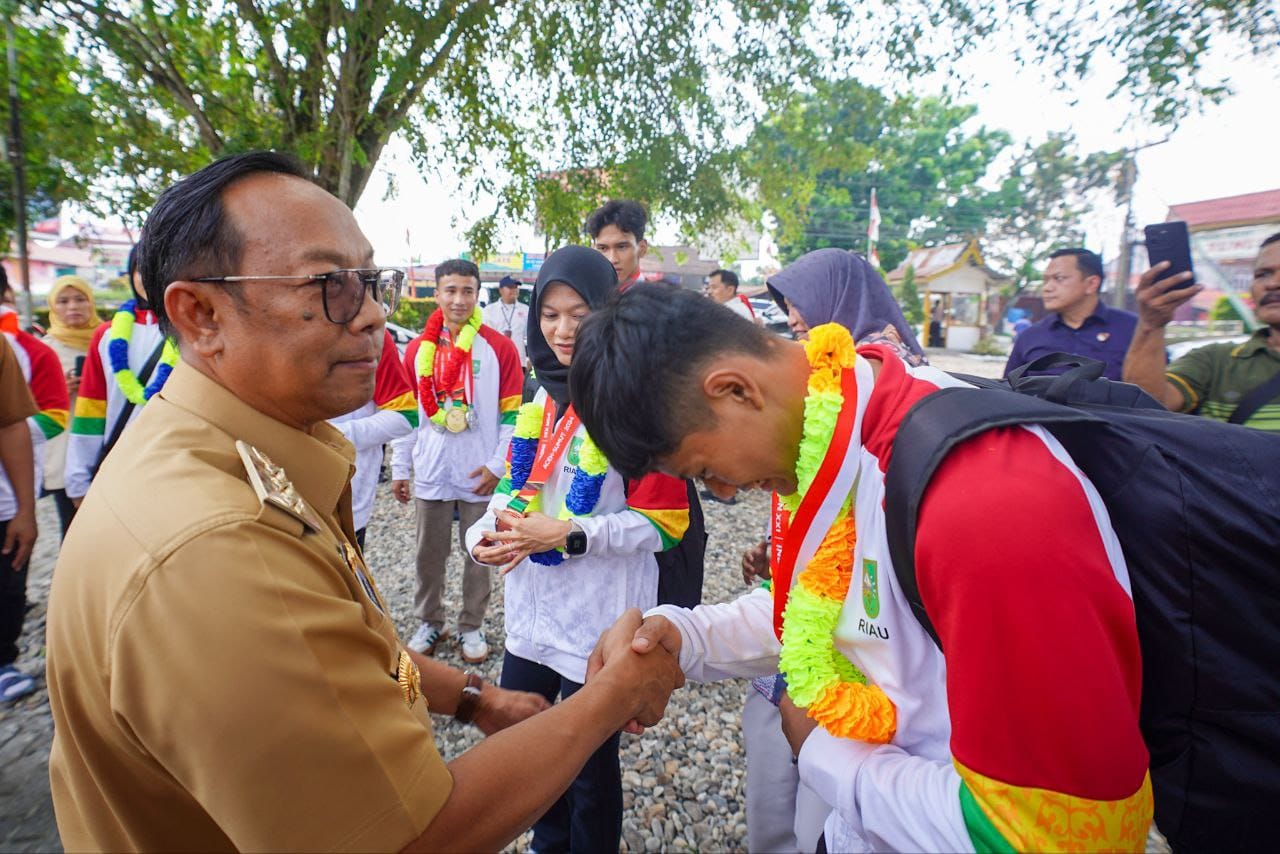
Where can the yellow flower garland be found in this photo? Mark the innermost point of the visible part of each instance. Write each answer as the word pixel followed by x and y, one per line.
pixel 819 678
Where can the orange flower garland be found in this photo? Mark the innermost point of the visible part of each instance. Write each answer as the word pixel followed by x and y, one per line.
pixel 819 678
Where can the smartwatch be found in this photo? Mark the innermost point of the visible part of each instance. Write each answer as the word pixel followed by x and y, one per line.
pixel 469 702
pixel 575 542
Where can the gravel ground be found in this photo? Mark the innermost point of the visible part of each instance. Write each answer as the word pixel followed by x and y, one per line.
pixel 683 779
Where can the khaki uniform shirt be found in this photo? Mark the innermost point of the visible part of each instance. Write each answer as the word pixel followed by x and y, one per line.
pixel 221 670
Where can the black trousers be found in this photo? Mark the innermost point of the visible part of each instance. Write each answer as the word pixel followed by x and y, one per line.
pixel 66 510
pixel 587 817
pixel 13 603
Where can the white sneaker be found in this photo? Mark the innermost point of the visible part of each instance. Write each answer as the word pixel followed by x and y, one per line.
pixel 475 648
pixel 424 640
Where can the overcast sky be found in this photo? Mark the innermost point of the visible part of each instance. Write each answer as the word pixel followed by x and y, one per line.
pixel 1229 149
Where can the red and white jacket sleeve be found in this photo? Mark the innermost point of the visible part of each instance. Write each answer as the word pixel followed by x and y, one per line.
pixel 1043 672
pixel 397 407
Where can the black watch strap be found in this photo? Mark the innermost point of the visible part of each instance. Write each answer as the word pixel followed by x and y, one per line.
pixel 575 542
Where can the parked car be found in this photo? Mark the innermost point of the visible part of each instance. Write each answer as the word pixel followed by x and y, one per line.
pixel 1180 348
pixel 774 320
pixel 401 336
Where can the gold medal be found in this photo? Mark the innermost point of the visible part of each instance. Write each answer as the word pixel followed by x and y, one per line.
pixel 455 420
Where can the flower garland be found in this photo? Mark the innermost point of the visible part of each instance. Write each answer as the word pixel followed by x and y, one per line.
pixel 834 692
pixel 588 476
pixel 118 353
pixel 425 364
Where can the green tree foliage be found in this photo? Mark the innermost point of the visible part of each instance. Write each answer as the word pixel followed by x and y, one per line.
pixel 909 298
pixel 1162 47
pixel 553 103
pixel 937 179
pixel 550 105
pixel 815 165
pixel 1041 203
pixel 1224 310
pixel 59 126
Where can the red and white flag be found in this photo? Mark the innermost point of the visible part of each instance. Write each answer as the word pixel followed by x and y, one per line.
pixel 873 227
pixel 874 257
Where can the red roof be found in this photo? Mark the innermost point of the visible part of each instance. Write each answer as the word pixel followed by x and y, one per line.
pixel 1251 207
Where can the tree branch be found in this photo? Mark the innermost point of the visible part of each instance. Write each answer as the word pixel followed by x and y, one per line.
pixel 279 74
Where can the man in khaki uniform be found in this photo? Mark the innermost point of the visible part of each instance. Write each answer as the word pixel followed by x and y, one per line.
pixel 221 667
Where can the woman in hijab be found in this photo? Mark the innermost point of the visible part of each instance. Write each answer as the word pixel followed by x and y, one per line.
pixel 73 317
pixel 838 286
pixel 575 542
pixel 826 286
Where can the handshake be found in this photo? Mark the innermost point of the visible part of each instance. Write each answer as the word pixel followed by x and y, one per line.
pixel 636 662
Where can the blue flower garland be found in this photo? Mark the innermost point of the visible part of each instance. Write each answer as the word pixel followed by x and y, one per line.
pixel 118 354
pixel 588 475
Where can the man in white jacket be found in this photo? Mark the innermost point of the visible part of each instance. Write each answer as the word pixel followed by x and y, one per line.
pixel 469 388
pixel 390 414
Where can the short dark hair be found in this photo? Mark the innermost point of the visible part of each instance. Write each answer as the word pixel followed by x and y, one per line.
pixel 458 267
pixel 4 279
pixel 188 235
pixel 629 216
pixel 729 277
pixel 1275 238
pixel 636 366
pixel 1087 262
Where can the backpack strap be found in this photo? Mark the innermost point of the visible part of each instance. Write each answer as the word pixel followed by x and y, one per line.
pixel 933 426
pixel 1257 398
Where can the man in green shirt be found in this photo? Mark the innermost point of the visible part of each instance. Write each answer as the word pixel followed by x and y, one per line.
pixel 1212 380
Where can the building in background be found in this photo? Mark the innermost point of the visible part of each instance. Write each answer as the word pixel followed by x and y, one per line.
pixel 1225 235
pixel 958 289
pixel 677 265
pixel 60 246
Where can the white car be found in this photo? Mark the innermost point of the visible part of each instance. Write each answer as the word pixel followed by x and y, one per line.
pixel 774 320
pixel 1181 348
pixel 401 336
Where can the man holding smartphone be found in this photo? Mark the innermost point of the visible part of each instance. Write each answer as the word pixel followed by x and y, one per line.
pixel 1239 383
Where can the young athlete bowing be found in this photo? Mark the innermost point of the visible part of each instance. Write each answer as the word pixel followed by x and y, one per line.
pixel 1019 729
pixel 575 541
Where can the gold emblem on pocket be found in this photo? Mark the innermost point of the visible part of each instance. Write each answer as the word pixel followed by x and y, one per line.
pixel 409 678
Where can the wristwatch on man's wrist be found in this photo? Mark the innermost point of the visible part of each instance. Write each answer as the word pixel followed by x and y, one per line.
pixel 469 702
pixel 575 542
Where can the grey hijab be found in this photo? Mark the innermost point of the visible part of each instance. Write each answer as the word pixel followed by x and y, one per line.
pixel 838 286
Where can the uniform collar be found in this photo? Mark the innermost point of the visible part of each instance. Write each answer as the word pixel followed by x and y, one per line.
pixel 318 463
pixel 1100 315
pixel 1257 341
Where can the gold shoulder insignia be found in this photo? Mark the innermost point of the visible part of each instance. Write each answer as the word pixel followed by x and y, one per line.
pixel 274 487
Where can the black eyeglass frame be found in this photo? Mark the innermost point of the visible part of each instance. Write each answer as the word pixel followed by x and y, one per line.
pixel 370 280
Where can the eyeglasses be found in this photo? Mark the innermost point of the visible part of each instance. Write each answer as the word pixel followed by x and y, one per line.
pixel 343 291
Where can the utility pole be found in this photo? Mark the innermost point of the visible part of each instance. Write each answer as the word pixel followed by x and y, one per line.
pixel 1124 264
pixel 18 158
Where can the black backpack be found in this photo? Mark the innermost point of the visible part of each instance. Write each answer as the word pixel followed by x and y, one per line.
pixel 1196 506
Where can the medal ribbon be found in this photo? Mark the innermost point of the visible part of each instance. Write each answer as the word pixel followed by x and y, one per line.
pixel 804 533
pixel 552 440
pixel 465 375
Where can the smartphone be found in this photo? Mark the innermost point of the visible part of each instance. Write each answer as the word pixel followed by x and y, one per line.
pixel 1170 241
pixel 79 365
